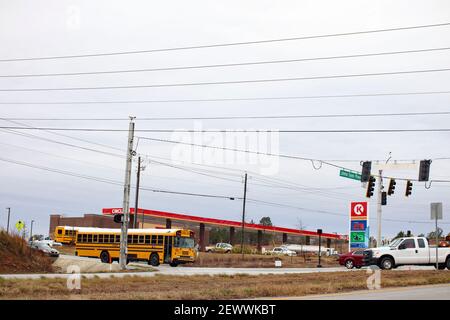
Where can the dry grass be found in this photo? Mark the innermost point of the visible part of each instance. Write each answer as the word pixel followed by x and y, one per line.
pixel 213 287
pixel 15 256
pixel 258 261
pixel 66 249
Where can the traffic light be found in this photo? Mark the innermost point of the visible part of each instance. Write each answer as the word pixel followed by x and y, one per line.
pixel 365 173
pixel 118 218
pixel 383 198
pixel 370 187
pixel 409 186
pixel 424 170
pixel 391 189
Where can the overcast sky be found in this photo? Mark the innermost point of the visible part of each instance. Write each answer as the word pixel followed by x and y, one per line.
pixel 60 28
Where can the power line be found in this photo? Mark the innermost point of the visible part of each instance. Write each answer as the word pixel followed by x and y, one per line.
pixel 61 143
pixel 230 130
pixel 345 96
pixel 66 136
pixel 226 44
pixel 118 183
pixel 188 84
pixel 399 114
pixel 320 161
pixel 223 65
pixel 113 182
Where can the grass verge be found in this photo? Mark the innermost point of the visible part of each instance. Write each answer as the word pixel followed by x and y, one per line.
pixel 235 260
pixel 213 287
pixel 17 257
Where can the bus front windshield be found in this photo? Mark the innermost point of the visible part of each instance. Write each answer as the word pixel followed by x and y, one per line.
pixel 184 242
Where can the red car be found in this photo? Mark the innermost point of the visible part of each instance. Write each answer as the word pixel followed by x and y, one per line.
pixel 352 259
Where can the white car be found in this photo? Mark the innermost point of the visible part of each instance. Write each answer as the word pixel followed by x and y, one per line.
pixel 407 251
pixel 45 248
pixel 282 251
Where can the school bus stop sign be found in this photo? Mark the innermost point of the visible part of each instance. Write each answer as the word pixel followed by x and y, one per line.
pixel 20 225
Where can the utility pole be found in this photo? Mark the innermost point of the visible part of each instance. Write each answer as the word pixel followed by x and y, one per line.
pixel 243 215
pixel 7 224
pixel 380 191
pixel 126 199
pixel 136 202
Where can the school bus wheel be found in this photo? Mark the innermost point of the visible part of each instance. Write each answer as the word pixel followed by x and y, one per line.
pixel 104 257
pixel 154 259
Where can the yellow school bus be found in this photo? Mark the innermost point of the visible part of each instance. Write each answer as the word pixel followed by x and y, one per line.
pixel 156 246
pixel 65 234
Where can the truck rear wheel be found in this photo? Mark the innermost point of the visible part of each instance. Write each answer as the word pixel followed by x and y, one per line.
pixel 447 263
pixel 387 263
pixel 441 266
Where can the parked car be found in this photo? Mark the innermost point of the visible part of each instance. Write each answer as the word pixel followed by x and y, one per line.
pixel 282 251
pixel 51 243
pixel 352 260
pixel 220 248
pixel 407 251
pixel 45 248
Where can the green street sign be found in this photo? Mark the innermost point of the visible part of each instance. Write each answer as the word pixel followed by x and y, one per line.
pixel 350 175
pixel 358 236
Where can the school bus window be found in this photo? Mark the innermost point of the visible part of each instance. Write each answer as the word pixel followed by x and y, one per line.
pixel 147 239
pixel 141 239
pixel 79 238
pixel 89 239
pixel 84 237
pixel 129 238
pixel 100 238
pixel 160 240
pixel 59 231
pixel 117 238
pixel 95 238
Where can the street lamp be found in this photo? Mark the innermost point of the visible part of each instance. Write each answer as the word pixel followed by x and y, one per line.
pixel 31 231
pixel 7 224
pixel 319 232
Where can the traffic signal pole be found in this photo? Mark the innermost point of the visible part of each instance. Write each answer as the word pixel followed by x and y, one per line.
pixel 126 200
pixel 379 206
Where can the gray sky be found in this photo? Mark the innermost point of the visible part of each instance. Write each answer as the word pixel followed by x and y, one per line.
pixel 52 28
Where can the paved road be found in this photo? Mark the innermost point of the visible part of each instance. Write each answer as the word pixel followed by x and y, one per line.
pixel 146 271
pixel 434 292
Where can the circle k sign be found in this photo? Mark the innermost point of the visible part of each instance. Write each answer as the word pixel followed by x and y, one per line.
pixel 358 210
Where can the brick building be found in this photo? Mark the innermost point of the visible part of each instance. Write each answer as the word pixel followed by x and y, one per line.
pixel 106 221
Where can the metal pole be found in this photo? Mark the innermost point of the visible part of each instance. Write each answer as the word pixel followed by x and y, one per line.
pixel 437 244
pixel 380 190
pixel 31 230
pixel 7 224
pixel 243 215
pixel 136 202
pixel 320 249
pixel 126 200
pixel 31 237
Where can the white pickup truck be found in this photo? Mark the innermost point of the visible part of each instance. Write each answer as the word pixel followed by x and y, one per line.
pixel 407 251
